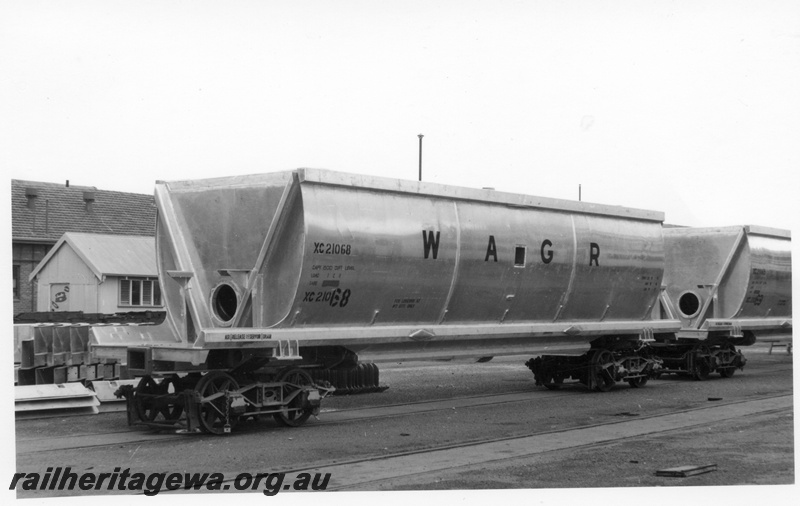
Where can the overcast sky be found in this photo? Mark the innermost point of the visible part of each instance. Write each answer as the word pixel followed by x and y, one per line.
pixel 687 107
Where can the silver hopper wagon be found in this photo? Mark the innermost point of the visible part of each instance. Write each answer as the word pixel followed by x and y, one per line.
pixel 269 279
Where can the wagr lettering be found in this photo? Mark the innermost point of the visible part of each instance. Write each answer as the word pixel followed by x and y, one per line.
pixel 431 242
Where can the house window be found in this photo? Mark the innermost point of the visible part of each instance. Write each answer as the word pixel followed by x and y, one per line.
pixel 139 292
pixel 16 281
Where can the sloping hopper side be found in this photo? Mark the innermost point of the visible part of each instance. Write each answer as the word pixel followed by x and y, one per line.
pixel 210 235
pixel 747 268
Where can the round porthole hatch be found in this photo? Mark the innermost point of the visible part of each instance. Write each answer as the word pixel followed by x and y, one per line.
pixel 689 304
pixel 225 302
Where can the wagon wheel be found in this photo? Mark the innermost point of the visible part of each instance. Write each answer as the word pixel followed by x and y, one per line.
pixel 171 411
pixel 215 413
pixel 555 384
pixel 553 381
pixel 542 378
pixel 701 365
pixel 143 397
pixel 603 370
pixel 292 415
pixel 728 370
pixel 156 402
pixel 638 382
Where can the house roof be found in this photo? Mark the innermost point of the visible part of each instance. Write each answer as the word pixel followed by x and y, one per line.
pixel 109 255
pixel 43 212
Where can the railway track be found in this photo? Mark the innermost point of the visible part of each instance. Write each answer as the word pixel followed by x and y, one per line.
pixel 382 442
pixel 327 417
pixel 133 436
pixel 369 473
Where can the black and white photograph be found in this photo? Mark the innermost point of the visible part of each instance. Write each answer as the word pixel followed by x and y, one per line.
pixel 433 251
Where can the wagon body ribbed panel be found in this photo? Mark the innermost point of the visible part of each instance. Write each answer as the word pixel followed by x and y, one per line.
pixel 324 257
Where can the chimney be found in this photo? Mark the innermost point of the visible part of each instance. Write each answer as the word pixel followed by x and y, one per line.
pixel 31 194
pixel 88 197
pixel 67 183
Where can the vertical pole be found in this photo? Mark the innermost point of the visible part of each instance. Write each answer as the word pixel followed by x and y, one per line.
pixel 579 193
pixel 420 156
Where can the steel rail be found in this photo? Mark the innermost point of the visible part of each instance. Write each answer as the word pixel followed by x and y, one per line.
pixel 371 465
pixel 334 416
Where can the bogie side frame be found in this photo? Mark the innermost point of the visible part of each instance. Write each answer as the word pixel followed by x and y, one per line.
pixel 216 401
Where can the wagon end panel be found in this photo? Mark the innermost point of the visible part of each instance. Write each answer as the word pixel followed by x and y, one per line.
pixel 210 235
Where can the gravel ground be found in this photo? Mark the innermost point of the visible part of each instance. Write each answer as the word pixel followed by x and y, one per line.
pixel 744 453
pixel 751 451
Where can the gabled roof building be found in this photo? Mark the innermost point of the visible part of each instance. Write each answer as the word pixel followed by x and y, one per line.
pixel 41 213
pixel 97 273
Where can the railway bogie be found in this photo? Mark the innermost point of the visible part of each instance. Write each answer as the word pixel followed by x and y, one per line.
pixel 598 369
pixel 214 402
pixel 700 359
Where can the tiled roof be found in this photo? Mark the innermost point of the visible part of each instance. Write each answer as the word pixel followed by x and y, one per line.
pixel 57 209
pixel 109 255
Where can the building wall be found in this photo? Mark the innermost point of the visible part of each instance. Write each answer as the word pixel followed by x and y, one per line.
pixel 25 258
pixel 108 296
pixel 66 267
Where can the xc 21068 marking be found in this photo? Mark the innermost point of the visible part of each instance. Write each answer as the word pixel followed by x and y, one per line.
pixel 324 248
pixel 336 298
